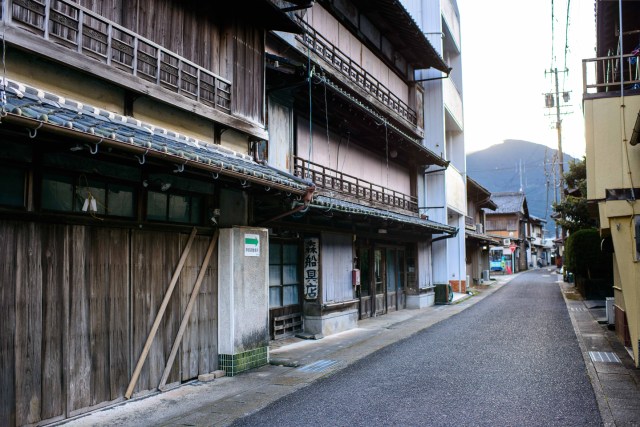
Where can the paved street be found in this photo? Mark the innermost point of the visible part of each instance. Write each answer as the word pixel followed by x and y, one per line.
pixel 512 359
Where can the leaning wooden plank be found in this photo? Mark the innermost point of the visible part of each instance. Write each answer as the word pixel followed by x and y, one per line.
pixel 187 313
pixel 156 323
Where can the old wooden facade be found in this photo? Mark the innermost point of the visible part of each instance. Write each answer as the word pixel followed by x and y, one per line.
pixel 125 138
pixel 477 241
pixel 509 222
pixel 345 113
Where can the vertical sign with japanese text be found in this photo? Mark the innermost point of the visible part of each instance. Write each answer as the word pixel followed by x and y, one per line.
pixel 311 267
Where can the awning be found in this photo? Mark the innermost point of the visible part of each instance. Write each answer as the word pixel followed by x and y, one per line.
pixel 328 204
pixel 39 110
pixel 481 237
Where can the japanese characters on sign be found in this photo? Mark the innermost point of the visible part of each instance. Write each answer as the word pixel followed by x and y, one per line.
pixel 251 245
pixel 311 268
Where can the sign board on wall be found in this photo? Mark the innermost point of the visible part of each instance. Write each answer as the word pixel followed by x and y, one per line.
pixel 311 267
pixel 251 245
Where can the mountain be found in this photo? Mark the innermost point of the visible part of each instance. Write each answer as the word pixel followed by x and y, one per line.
pixel 507 166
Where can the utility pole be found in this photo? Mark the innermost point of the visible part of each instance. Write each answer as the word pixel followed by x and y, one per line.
pixel 555 100
pixel 559 129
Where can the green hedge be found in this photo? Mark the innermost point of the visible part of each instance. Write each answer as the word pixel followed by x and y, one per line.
pixel 582 254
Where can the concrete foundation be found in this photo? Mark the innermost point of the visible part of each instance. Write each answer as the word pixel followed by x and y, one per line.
pixel 420 301
pixel 331 323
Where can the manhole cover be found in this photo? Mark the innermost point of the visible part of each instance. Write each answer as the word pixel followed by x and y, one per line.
pixel 604 356
pixel 318 366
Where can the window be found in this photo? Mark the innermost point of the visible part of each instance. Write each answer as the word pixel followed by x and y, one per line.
pixel 12 186
pixel 284 279
pixel 186 209
pixel 80 194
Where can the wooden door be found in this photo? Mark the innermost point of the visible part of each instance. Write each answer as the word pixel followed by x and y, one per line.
pixel 366 300
pixel 392 278
pixel 379 279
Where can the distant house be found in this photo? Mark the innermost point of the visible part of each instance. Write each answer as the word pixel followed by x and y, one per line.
pixel 477 241
pixel 509 222
pixel 539 252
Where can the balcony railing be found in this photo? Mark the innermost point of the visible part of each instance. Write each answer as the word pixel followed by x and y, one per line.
pixel 603 74
pixel 68 24
pixel 345 65
pixel 334 180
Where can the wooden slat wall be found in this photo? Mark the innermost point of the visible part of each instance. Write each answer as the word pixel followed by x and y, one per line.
pixel 248 77
pixel 65 307
pixel 151 253
pixel 199 343
pixel 8 243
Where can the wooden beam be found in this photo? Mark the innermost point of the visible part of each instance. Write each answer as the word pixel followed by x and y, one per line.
pixel 189 309
pixel 156 323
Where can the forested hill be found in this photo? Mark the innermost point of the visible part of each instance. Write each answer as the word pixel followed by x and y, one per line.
pixel 501 166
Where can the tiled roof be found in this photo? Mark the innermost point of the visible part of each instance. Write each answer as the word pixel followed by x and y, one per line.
pixel 481 237
pixel 508 202
pixel 104 126
pixel 330 203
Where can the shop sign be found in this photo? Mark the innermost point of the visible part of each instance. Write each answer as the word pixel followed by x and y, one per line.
pixel 311 267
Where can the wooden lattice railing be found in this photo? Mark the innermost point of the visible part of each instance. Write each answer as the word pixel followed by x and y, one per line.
pixel 351 69
pixel 66 23
pixel 327 178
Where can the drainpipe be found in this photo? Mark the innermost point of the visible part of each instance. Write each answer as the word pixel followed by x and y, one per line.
pixel 446 236
pixel 306 200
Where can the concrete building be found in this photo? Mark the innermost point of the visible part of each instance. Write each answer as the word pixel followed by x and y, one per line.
pixel 612 128
pixel 442 194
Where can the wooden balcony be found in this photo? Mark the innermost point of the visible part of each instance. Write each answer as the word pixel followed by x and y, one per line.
pixel 357 188
pixel 354 72
pixel 66 23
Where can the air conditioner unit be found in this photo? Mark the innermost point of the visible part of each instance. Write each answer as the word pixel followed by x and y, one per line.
pixel 479 228
pixel 506 242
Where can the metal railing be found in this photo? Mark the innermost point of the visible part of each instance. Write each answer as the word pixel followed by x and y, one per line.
pixel 351 69
pixel 603 74
pixel 68 24
pixel 332 179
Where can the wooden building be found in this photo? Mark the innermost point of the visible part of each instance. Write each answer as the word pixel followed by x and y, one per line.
pixel 345 112
pixel 510 223
pixel 477 241
pixel 127 139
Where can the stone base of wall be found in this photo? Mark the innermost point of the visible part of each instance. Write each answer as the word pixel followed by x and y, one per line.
pixel 458 285
pixel 420 301
pixel 233 364
pixel 331 323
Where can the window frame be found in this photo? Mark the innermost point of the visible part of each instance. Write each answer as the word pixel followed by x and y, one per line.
pixel 298 265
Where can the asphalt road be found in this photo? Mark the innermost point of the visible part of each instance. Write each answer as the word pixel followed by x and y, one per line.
pixel 510 360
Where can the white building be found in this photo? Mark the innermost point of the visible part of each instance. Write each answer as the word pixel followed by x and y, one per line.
pixel 443 194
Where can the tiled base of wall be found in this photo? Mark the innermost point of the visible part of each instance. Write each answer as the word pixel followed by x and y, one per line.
pixel 234 364
pixel 458 285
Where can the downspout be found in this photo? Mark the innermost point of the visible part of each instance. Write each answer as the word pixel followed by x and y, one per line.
pixel 306 200
pixel 446 236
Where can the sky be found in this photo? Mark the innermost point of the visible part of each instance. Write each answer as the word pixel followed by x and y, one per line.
pixel 506 49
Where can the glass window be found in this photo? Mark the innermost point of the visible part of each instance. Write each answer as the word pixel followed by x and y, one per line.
pixel 284 280
pixel 81 195
pixel 57 192
pixel 120 200
pixel 179 208
pixel 156 206
pixel 186 209
pixel 12 185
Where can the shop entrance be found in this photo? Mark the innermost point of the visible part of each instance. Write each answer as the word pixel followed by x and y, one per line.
pixel 383 272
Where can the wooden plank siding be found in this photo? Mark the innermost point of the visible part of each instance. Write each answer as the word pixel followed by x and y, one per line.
pixel 72 300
